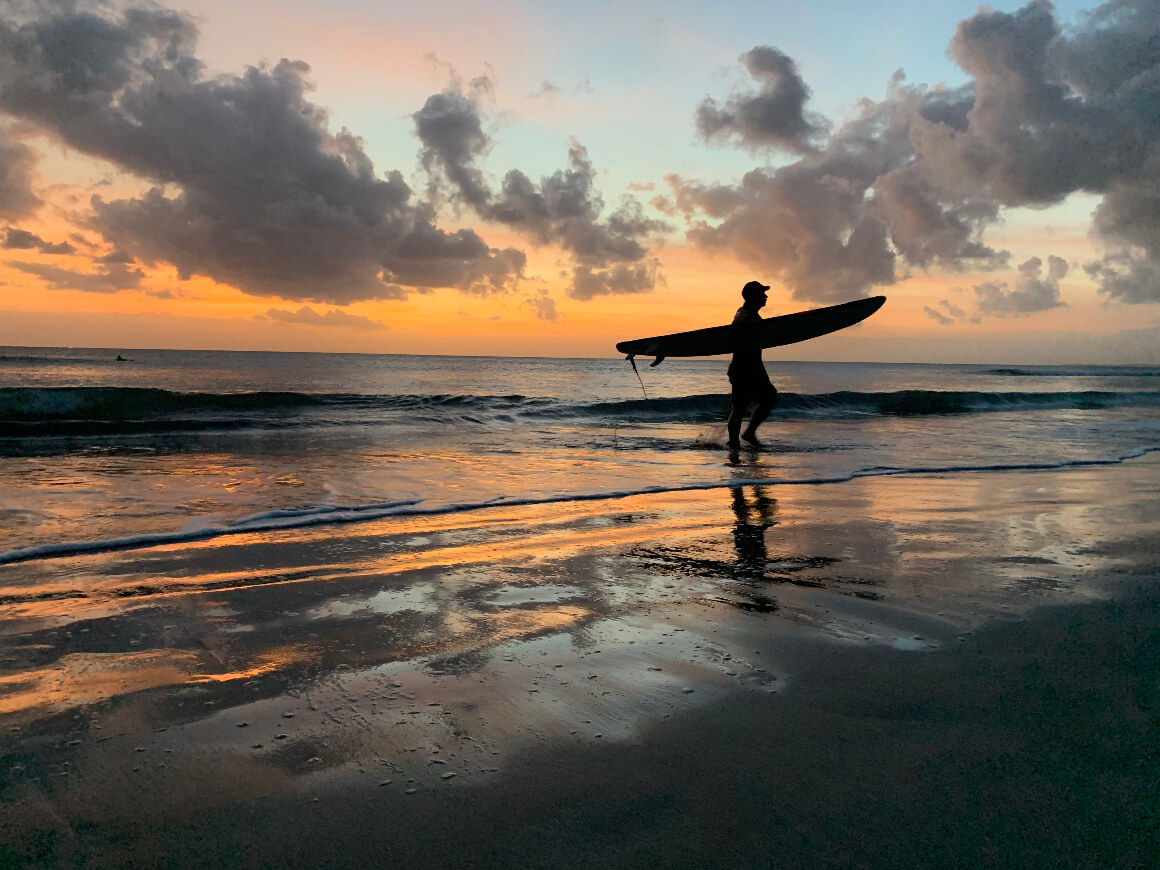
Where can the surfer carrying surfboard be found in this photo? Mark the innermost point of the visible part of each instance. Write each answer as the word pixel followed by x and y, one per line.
pixel 744 338
pixel 747 376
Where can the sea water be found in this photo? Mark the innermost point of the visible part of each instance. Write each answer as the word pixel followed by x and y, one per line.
pixel 97 452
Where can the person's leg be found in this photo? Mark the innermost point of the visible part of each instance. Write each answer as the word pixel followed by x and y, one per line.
pixel 740 403
pixel 766 401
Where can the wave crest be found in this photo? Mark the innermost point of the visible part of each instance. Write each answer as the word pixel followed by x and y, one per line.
pixel 78 411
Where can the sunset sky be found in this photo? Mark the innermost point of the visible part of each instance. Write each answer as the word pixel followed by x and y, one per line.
pixel 543 178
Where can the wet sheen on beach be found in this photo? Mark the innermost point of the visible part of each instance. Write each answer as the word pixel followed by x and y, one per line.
pixel 697 669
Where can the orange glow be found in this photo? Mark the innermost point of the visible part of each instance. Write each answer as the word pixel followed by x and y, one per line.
pixel 85 678
pixel 698 290
pixel 539 540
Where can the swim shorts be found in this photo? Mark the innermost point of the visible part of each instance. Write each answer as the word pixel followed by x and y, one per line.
pixel 752 385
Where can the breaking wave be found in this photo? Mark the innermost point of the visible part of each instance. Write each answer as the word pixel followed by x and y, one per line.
pixel 273 520
pixel 29 412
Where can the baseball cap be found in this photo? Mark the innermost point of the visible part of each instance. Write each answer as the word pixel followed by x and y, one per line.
pixel 753 288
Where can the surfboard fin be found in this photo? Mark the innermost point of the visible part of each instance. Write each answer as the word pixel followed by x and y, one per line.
pixel 656 362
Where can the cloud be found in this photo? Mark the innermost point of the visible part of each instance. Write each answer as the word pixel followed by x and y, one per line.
pixel 252 188
pixel 835 223
pixel 543 306
pixel 21 239
pixel 107 279
pixel 1031 294
pixel 115 256
pixel 609 255
pixel 1127 277
pixel 916 179
pixel 774 117
pixel 308 316
pixel 24 240
pixel 618 280
pixel 453 138
pixel 938 317
pixel 951 309
pixel 16 165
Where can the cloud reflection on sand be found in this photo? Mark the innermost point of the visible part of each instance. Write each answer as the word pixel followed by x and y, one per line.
pixel 353 648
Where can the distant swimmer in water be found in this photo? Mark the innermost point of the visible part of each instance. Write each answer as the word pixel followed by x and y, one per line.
pixel 121 358
pixel 747 376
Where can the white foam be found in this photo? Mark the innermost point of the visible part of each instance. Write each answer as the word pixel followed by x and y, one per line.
pixel 275 520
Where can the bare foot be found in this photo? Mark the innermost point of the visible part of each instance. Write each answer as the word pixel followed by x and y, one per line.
pixel 751 439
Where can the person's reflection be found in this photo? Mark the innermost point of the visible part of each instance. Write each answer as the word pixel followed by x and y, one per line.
pixel 749 531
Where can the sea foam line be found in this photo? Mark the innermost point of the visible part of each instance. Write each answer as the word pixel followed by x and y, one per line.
pixel 275 520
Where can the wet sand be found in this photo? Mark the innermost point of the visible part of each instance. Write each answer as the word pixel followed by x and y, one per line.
pixel 910 671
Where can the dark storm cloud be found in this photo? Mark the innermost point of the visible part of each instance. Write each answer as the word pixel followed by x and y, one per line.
pixel 252 187
pixel 609 256
pixel 774 117
pixel 107 279
pixel 1032 292
pixel 916 179
pixel 16 163
pixel 308 316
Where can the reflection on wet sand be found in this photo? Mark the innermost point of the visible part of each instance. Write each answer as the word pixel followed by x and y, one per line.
pixel 362 649
pixel 754 516
pixel 86 678
pixel 381 548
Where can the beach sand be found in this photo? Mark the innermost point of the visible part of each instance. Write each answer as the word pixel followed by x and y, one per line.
pixel 924 670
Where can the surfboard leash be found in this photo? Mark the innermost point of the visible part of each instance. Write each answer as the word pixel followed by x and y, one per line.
pixel 631 358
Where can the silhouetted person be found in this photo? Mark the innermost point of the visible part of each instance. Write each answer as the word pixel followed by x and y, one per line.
pixel 747 376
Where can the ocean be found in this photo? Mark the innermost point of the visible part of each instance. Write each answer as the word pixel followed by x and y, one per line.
pixel 163 446
pixel 245 597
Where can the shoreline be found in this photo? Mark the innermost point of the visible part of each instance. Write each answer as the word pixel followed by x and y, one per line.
pixel 818 678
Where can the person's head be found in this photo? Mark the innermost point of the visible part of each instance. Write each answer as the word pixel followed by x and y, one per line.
pixel 754 294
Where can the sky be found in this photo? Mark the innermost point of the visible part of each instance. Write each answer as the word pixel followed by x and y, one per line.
pixel 547 178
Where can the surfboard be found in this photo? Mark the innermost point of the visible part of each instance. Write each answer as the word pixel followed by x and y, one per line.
pixel 768 332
